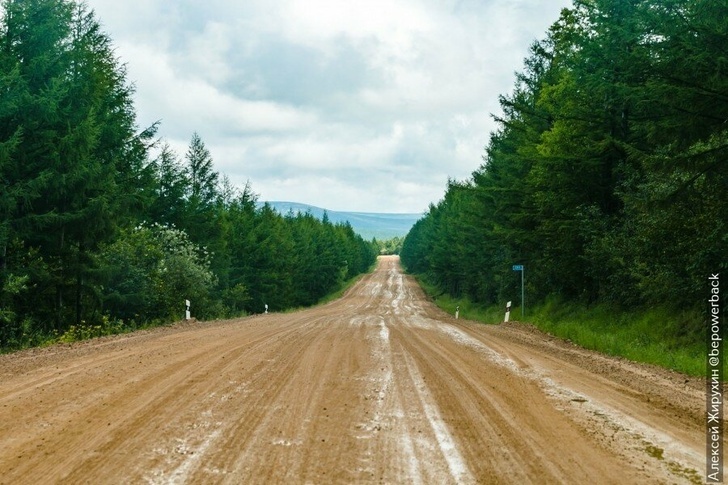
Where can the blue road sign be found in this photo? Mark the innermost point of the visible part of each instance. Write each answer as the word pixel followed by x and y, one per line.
pixel 519 267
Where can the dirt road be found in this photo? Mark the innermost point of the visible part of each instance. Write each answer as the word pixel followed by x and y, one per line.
pixel 377 387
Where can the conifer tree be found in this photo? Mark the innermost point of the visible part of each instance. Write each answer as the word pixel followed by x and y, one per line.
pixel 72 110
pixel 201 175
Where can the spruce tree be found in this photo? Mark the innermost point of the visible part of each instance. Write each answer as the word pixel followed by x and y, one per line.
pixel 201 176
pixel 72 108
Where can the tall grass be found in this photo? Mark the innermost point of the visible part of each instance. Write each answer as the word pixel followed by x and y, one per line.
pixel 658 335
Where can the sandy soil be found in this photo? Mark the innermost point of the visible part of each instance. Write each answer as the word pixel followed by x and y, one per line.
pixel 377 387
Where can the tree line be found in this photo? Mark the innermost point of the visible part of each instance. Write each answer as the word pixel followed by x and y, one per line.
pixel 608 172
pixel 102 224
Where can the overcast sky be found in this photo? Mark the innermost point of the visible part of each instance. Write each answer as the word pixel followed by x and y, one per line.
pixel 348 105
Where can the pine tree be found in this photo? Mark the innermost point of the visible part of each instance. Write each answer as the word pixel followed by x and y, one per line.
pixel 72 108
pixel 201 176
pixel 168 205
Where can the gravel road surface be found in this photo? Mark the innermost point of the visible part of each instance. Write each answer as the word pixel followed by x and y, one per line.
pixel 377 387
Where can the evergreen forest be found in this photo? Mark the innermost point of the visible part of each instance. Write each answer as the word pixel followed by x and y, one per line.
pixel 103 227
pixel 607 175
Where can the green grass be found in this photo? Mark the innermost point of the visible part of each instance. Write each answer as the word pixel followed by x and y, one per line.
pixel 655 335
pixel 658 336
pixel 468 309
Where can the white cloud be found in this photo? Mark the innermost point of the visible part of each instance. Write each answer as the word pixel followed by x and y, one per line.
pixel 323 21
pixel 359 105
pixel 208 52
pixel 189 100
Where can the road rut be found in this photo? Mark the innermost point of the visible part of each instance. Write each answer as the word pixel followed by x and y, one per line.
pixel 377 387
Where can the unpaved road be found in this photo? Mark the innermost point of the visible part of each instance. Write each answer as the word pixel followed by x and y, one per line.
pixel 377 387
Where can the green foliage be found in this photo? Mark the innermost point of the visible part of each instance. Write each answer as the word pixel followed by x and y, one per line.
pixel 606 177
pixel 390 246
pixel 84 331
pixel 13 333
pixel 468 309
pixel 101 223
pixel 656 335
pixel 309 258
pixel 151 270
pixel 170 188
pixel 202 178
pixel 68 136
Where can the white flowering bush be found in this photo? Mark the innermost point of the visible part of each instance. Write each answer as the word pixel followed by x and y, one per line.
pixel 151 270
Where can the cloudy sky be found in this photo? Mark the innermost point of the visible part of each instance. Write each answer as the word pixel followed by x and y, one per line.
pixel 344 104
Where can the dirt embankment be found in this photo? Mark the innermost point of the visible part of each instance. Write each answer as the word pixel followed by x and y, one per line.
pixel 377 387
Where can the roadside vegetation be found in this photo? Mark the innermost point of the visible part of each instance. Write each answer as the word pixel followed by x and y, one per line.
pixel 653 336
pixel 104 228
pixel 389 246
pixel 606 179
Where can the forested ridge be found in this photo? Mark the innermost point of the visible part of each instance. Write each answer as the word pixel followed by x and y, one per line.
pixel 607 177
pixel 103 227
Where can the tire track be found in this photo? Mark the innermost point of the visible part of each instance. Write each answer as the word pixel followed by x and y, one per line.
pixel 377 387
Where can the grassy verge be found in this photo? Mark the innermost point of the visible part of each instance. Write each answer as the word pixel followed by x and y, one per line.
pixel 468 309
pixel 655 336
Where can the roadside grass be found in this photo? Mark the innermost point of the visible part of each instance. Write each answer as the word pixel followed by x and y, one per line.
pixel 468 309
pixel 656 336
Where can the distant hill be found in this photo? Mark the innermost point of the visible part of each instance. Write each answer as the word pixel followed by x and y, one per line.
pixel 367 224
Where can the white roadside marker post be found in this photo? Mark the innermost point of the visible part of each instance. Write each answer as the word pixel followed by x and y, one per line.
pixel 187 310
pixel 457 312
pixel 508 312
